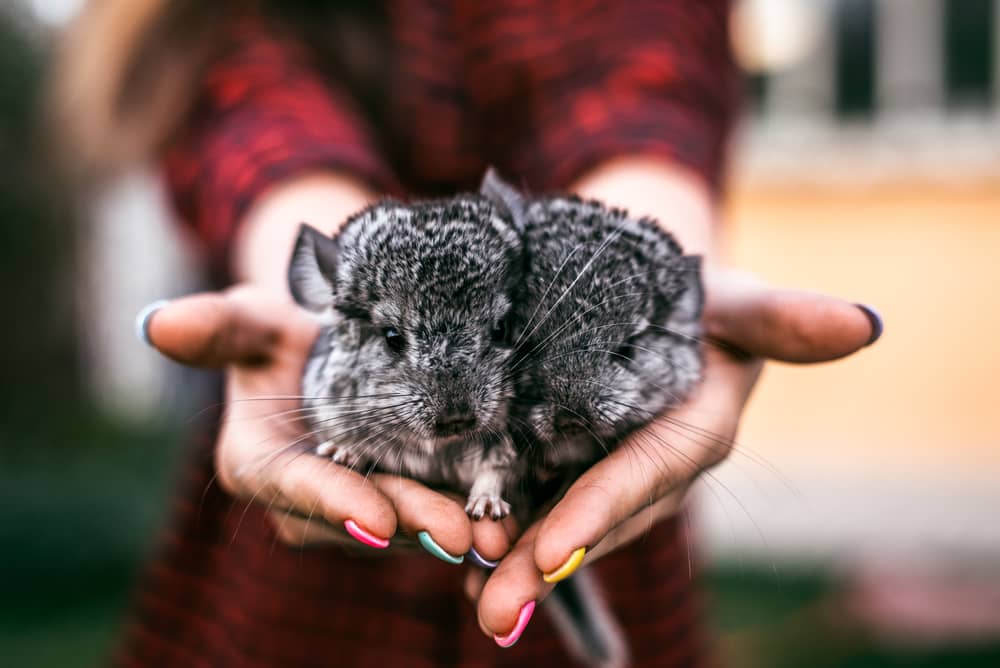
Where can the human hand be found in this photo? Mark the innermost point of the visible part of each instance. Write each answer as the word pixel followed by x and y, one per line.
pixel 263 453
pixel 645 479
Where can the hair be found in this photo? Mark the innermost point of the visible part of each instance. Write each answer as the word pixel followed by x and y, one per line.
pixel 127 71
pixel 125 75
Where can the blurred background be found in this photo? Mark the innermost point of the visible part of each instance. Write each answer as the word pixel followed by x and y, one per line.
pixel 858 521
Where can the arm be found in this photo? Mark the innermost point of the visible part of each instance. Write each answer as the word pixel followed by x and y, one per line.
pixel 654 102
pixel 624 495
pixel 286 149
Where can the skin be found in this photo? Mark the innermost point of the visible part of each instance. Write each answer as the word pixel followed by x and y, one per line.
pixel 261 338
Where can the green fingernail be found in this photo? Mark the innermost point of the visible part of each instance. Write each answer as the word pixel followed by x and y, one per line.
pixel 435 549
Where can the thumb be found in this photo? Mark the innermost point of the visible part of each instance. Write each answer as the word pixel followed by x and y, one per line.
pixel 786 325
pixel 215 329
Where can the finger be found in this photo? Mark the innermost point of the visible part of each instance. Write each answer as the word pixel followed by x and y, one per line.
pixel 638 525
pixel 787 325
pixel 297 532
pixel 312 487
pixel 492 539
pixel 662 459
pixel 475 579
pixel 216 329
pixel 437 521
pixel 644 469
pixel 508 599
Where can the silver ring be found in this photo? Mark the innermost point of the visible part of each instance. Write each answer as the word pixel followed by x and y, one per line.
pixel 144 317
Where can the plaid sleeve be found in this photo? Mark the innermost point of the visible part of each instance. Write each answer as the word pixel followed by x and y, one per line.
pixel 653 77
pixel 262 115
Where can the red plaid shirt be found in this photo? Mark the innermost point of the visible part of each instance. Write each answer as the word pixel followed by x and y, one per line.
pixel 543 91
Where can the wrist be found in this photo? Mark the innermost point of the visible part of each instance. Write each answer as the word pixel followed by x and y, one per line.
pixel 675 197
pixel 267 233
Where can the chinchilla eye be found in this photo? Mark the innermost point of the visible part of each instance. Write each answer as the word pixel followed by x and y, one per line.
pixel 626 351
pixel 394 339
pixel 501 332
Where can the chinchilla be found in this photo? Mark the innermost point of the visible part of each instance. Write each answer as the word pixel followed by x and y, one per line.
pixel 410 373
pixel 607 332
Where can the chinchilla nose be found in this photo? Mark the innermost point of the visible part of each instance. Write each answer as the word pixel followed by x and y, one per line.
pixel 454 421
pixel 568 423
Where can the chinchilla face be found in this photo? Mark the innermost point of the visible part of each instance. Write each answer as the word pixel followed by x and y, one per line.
pixel 607 329
pixel 415 301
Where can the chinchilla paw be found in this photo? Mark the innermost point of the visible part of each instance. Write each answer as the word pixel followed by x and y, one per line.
pixel 342 456
pixel 479 507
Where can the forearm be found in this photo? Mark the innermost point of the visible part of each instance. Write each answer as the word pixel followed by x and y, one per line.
pixel 263 244
pixel 654 187
pixel 645 186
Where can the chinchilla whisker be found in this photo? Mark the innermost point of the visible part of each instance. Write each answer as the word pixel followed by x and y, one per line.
pixel 579 316
pixel 713 440
pixel 224 405
pixel 292 413
pixel 304 397
pixel 367 416
pixel 673 396
pixel 699 339
pixel 673 332
pixel 548 288
pixel 361 412
pixel 593 258
pixel 253 497
pixel 584 421
pixel 569 323
pixel 715 479
pixel 739 448
pixel 284 418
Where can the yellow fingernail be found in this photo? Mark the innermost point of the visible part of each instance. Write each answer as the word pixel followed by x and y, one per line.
pixel 568 568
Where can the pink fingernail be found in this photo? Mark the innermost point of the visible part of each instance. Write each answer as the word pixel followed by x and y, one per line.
pixel 523 618
pixel 364 536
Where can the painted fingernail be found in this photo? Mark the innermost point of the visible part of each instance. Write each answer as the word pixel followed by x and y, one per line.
pixel 874 319
pixel 523 618
pixel 480 560
pixel 568 568
pixel 364 536
pixel 143 318
pixel 428 543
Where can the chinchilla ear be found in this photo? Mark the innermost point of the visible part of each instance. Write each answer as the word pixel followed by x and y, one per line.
pixel 690 299
pixel 312 269
pixel 505 197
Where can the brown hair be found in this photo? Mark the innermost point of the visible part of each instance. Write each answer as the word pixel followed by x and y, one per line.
pixel 127 71
pixel 125 75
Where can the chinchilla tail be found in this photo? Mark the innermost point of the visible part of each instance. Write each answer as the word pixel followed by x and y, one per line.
pixel 581 616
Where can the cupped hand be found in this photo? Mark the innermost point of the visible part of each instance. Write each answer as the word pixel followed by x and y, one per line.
pixel 645 479
pixel 263 453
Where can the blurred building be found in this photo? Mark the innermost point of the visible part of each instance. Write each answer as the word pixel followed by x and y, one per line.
pixel 869 167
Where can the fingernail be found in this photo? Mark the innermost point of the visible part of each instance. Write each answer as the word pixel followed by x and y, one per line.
pixel 143 318
pixel 568 568
pixel 435 549
pixel 523 618
pixel 874 319
pixel 480 560
pixel 365 536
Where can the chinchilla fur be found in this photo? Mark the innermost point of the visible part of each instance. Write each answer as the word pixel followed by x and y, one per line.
pixel 607 327
pixel 410 372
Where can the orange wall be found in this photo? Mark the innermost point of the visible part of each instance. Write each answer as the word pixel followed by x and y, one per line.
pixel 922 403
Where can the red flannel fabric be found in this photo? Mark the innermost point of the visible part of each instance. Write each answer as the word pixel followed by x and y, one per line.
pixel 542 90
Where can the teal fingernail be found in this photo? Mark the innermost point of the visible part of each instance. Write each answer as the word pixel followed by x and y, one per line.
pixel 143 318
pixel 428 544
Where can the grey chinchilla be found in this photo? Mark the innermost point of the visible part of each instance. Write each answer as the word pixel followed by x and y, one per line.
pixel 410 373
pixel 607 332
